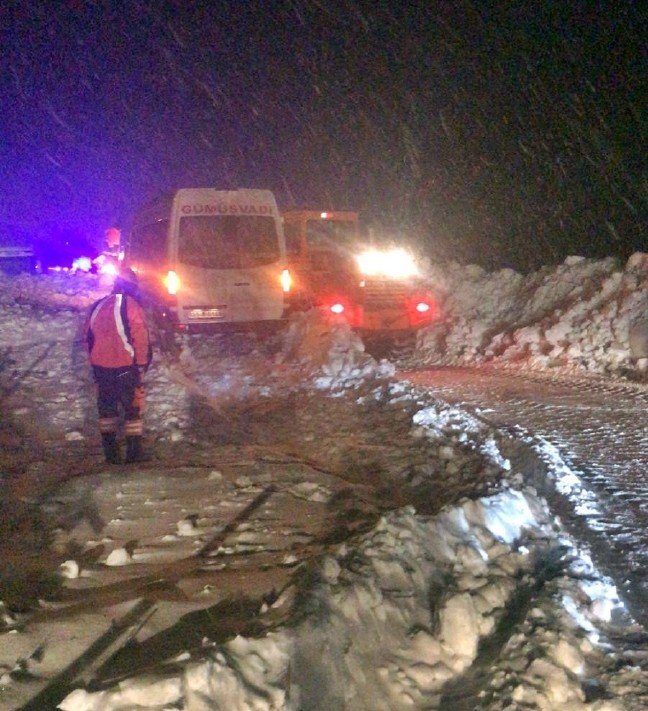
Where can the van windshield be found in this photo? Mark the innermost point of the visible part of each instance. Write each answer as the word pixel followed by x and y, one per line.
pixel 228 241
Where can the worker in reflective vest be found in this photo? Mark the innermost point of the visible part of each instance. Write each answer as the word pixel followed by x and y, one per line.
pixel 117 340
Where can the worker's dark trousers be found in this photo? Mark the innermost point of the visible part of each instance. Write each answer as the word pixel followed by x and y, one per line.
pixel 119 389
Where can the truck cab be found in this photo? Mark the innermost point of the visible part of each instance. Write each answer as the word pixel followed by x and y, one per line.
pixel 319 250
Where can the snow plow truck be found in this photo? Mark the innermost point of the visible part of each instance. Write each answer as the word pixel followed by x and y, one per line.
pixel 377 291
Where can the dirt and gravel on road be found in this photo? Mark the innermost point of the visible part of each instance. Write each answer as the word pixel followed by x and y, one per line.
pixel 214 528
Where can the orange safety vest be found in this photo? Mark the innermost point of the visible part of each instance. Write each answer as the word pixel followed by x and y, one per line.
pixel 115 333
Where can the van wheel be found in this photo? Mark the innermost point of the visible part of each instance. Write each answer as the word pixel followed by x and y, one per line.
pixel 165 335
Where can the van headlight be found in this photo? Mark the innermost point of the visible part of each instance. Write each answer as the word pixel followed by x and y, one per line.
pixel 286 280
pixel 172 283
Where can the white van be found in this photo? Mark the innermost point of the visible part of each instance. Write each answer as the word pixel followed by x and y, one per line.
pixel 212 258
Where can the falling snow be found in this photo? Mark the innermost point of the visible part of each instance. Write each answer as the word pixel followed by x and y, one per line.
pixel 491 135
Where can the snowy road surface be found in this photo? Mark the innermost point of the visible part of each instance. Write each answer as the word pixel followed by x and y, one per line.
pixel 599 428
pixel 310 534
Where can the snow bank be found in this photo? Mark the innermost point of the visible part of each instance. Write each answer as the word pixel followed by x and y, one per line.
pixel 63 290
pixel 392 621
pixel 590 314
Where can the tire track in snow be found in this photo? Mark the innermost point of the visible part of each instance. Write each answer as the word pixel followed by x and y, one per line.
pixel 595 431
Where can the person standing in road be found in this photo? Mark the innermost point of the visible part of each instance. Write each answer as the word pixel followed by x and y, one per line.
pixel 117 341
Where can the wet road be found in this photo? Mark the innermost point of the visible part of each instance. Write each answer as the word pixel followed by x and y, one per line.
pixel 598 427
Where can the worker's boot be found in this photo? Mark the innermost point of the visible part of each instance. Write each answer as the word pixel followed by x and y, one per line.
pixel 111 448
pixel 134 450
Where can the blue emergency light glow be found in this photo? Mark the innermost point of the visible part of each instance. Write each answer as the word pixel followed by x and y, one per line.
pixel 82 264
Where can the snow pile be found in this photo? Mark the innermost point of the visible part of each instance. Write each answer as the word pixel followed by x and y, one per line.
pixel 335 352
pixel 406 609
pixel 74 291
pixel 394 621
pixel 403 619
pixel 584 313
pixel 224 371
pixel 439 421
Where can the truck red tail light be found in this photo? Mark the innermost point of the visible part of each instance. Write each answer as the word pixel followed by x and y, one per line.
pixel 422 309
pixel 340 309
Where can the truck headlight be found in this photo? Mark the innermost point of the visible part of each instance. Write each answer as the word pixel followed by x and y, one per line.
pixel 391 263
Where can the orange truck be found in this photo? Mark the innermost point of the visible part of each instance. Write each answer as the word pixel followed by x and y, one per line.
pixel 376 291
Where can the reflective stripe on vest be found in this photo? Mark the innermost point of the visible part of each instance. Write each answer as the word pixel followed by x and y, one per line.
pixel 119 323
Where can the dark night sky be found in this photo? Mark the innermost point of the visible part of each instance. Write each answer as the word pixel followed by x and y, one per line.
pixel 503 133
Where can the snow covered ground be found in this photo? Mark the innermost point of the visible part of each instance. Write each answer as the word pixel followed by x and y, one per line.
pixel 487 604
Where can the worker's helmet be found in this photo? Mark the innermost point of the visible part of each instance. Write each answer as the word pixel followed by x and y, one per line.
pixel 113 237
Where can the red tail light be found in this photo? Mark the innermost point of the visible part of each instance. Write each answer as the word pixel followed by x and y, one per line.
pixel 422 309
pixel 339 309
